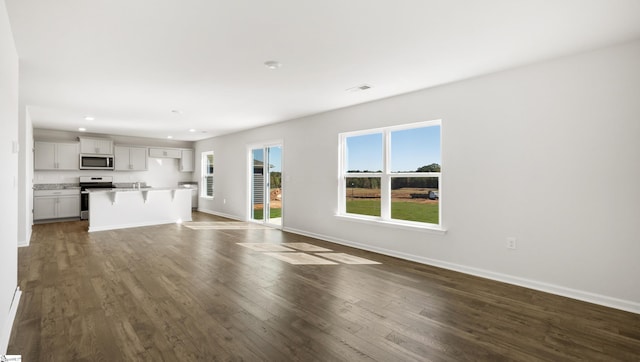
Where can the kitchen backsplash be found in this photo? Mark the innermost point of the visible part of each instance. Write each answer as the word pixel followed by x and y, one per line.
pixel 161 173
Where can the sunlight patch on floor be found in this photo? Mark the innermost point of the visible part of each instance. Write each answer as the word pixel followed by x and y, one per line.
pixel 265 247
pixel 346 258
pixel 222 225
pixel 286 252
pixel 305 247
pixel 301 258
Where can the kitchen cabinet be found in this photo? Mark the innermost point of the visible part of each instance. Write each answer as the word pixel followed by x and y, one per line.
pixel 165 153
pixel 130 158
pixel 186 161
pixel 96 146
pixel 55 156
pixel 56 204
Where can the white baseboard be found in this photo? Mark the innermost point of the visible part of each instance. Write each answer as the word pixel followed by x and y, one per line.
pixel 6 329
pixel 23 243
pixel 603 300
pixel 221 214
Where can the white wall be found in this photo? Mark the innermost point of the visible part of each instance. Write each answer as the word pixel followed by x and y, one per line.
pixel 9 174
pixel 25 177
pixel 548 153
pixel 162 172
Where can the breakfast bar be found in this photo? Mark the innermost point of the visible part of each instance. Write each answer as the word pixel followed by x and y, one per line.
pixel 120 208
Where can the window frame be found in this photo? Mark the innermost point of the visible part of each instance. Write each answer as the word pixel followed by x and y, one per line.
pixel 385 178
pixel 204 174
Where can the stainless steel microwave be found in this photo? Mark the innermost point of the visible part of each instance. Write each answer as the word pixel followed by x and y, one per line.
pixel 96 162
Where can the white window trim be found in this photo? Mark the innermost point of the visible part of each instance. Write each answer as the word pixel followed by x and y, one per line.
pixel 385 180
pixel 204 173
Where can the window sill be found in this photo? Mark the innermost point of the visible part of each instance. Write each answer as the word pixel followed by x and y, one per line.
pixel 207 197
pixel 394 224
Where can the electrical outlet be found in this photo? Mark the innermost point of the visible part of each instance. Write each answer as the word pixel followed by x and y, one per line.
pixel 511 243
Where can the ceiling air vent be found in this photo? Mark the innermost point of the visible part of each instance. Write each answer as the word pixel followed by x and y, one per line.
pixel 359 88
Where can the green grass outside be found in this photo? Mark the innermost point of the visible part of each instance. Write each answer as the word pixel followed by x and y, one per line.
pixel 410 211
pixel 364 207
pixel 274 213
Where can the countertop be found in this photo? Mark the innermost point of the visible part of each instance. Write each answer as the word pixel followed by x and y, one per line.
pixel 123 189
pixel 56 187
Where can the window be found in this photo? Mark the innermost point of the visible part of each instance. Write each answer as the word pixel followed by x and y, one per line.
pixel 207 174
pixel 392 174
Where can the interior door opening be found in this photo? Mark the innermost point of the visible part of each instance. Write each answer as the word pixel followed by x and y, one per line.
pixel 266 185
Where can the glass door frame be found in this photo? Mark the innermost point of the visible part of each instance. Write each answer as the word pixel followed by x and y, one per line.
pixel 266 219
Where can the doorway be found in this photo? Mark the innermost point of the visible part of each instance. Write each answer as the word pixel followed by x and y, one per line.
pixel 266 184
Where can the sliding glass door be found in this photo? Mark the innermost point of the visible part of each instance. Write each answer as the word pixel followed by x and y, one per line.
pixel 266 184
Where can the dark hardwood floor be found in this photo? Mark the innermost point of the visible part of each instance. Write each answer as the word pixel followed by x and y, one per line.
pixel 176 294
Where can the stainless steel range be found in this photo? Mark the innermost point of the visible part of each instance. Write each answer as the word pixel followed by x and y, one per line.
pixel 91 182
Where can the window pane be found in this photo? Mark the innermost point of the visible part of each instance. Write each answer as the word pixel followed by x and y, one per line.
pixel 363 195
pixel 209 187
pixel 209 168
pixel 364 153
pixel 415 199
pixel 257 194
pixel 416 150
pixel 206 188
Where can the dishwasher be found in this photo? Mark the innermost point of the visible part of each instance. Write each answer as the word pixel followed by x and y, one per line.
pixel 193 185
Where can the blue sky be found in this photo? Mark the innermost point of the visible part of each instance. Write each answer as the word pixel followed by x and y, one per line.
pixel 410 149
pixel 275 157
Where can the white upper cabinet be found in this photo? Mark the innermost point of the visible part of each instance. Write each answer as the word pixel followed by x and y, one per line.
pixel 96 146
pixel 165 153
pixel 138 157
pixel 130 158
pixel 186 161
pixel 55 156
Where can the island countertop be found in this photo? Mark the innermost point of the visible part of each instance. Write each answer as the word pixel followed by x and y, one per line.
pixel 130 189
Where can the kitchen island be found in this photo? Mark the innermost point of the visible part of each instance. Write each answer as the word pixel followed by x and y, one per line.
pixel 125 208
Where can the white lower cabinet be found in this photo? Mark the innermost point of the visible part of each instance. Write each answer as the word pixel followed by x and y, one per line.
pixel 56 204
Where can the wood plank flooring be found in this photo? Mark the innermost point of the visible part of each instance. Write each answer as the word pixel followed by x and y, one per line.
pixel 172 293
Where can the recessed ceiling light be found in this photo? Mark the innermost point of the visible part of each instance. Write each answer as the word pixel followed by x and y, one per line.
pixel 192 130
pixel 82 129
pixel 89 118
pixel 272 64
pixel 169 137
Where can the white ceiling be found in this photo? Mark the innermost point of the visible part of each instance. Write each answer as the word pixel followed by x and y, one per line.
pixel 129 63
